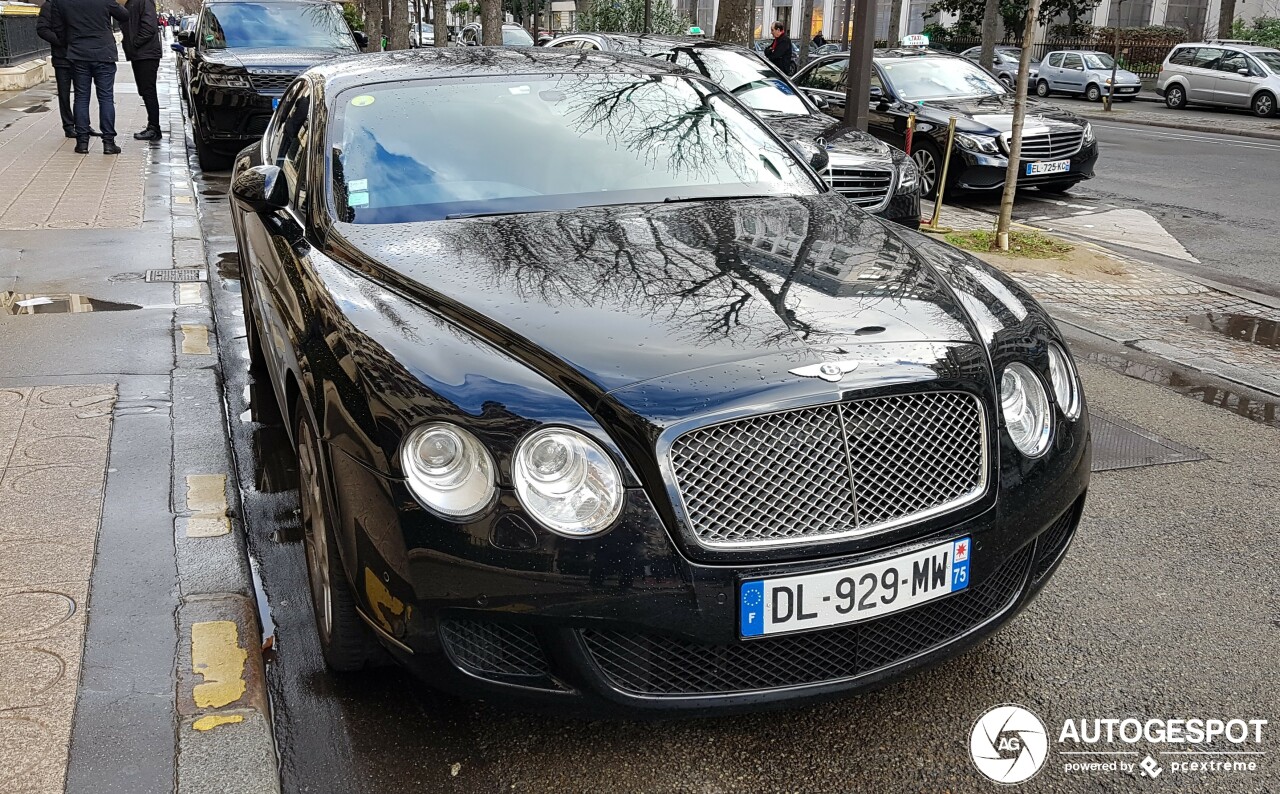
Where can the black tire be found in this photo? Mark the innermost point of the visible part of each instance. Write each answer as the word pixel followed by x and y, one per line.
pixel 1175 97
pixel 345 642
pixel 1042 88
pixel 928 160
pixel 1092 92
pixel 210 158
pixel 1264 105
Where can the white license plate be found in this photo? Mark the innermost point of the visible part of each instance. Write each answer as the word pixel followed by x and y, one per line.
pixel 848 595
pixel 1128 90
pixel 1049 167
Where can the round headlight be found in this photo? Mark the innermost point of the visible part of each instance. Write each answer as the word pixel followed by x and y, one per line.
pixel 449 471
pixel 567 482
pixel 1026 409
pixel 1066 387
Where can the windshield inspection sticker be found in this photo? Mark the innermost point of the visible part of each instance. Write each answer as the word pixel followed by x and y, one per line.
pixel 358 200
pixel 519 90
pixel 362 101
pixel 357 185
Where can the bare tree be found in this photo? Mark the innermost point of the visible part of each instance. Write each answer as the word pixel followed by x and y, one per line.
pixel 734 22
pixel 806 33
pixel 1015 138
pixel 398 37
pixel 895 23
pixel 1226 18
pixel 373 23
pixel 491 23
pixel 439 23
pixel 990 16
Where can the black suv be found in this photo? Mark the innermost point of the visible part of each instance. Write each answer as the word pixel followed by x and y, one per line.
pixel 243 55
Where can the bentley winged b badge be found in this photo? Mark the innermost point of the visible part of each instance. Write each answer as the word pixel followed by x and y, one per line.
pixel 827 370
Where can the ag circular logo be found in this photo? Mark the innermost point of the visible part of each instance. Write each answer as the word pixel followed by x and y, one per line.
pixel 1008 744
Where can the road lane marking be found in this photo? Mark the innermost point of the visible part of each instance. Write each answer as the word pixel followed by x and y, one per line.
pixel 195 340
pixel 207 502
pixel 212 721
pixel 217 656
pixel 1237 141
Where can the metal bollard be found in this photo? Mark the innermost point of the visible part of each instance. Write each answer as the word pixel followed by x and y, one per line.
pixel 911 129
pixel 942 181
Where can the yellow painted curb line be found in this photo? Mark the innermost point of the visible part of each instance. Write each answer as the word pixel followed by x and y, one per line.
pixel 214 720
pixel 190 295
pixel 217 656
pixel 195 340
pixel 207 500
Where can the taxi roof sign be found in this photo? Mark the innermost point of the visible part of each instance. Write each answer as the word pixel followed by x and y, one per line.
pixel 916 40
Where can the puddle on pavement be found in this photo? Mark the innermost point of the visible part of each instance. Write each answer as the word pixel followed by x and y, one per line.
pixel 1240 327
pixel 229 264
pixel 57 303
pixel 37 109
pixel 1264 412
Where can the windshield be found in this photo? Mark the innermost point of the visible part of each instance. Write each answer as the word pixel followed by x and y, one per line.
pixel 303 25
pixel 516 37
pixel 430 150
pixel 1098 60
pixel 937 78
pixel 1270 59
pixel 755 83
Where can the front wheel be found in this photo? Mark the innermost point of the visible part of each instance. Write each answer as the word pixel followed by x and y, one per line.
pixel 929 162
pixel 1175 97
pixel 210 158
pixel 1042 88
pixel 1093 93
pixel 1264 105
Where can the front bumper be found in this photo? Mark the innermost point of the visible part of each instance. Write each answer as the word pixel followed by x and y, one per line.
pixel 628 623
pixel 234 116
pixel 981 172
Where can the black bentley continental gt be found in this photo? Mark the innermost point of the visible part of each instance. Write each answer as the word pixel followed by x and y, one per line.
pixel 602 398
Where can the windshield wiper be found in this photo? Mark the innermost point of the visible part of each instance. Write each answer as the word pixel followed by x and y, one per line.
pixel 685 199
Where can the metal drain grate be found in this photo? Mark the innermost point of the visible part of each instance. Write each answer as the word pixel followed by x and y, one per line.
pixel 1120 445
pixel 178 274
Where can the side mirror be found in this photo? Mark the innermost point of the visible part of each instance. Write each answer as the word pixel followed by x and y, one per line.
pixel 178 48
pixel 362 38
pixel 819 101
pixel 187 38
pixel 811 153
pixel 262 188
pixel 1243 72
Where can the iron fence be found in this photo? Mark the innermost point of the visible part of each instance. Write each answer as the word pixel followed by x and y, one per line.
pixel 18 39
pixel 1142 57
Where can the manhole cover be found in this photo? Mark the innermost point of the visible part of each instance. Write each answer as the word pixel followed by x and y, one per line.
pixel 178 274
pixel 1120 445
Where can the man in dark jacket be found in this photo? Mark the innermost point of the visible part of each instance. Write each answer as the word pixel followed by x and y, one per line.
pixel 143 49
pixel 62 72
pixel 779 50
pixel 84 27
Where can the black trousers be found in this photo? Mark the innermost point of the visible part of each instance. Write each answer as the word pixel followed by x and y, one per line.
pixel 144 74
pixel 65 75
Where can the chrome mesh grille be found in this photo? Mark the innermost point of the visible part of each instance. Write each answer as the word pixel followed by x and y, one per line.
pixel 866 187
pixel 831 470
pixel 1052 145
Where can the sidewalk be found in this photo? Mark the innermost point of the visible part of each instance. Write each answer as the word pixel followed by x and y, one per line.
pixel 129 642
pixel 1199 119
pixel 1147 307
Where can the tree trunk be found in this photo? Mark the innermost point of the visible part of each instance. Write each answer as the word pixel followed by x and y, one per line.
pixel 1226 18
pixel 990 15
pixel 734 22
pixel 857 103
pixel 491 23
pixel 895 23
pixel 438 20
pixel 1015 140
pixel 806 33
pixel 373 24
pixel 398 35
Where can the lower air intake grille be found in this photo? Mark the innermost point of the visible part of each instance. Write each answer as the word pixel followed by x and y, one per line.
pixel 1053 541
pixel 494 648
pixel 655 665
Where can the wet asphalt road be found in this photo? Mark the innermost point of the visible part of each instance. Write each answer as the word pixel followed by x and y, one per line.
pixel 1166 606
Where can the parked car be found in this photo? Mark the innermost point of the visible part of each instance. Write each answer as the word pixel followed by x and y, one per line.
pixel 186 25
pixel 1087 73
pixel 242 55
pixel 654 421
pixel 1005 65
pixel 1058 147
pixel 1229 74
pixel 422 35
pixel 871 174
pixel 512 35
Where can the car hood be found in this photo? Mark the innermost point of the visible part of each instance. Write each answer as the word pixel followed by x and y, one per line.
pixel 838 138
pixel 298 60
pixel 1122 75
pixel 993 114
pixel 611 296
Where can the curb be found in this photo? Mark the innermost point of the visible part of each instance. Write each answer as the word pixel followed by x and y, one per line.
pixel 1186 126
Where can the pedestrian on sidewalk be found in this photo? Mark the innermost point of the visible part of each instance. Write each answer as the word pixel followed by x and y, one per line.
pixel 779 50
pixel 84 26
pixel 143 49
pixel 62 72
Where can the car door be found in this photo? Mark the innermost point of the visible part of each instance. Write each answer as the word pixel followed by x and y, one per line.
pixel 1071 76
pixel 1049 70
pixel 885 118
pixel 827 80
pixel 1231 87
pixel 1202 75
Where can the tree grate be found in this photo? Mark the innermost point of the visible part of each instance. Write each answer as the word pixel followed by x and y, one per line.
pixel 178 274
pixel 1120 445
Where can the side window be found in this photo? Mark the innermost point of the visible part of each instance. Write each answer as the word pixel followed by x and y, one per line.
pixel 1072 61
pixel 876 82
pixel 469 36
pixel 295 130
pixel 1055 59
pixel 827 77
pixel 275 135
pixel 1207 58
pixel 211 34
pixel 587 44
pixel 1233 61
pixel 571 44
pixel 1183 56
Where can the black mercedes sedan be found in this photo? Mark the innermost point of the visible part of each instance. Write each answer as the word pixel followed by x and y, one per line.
pixel 871 174
pixel 240 57
pixel 1058 147
pixel 604 400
